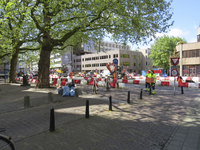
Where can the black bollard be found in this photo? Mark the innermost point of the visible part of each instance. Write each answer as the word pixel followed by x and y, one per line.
pixel 27 102
pixel 128 99
pixel 87 109
pixel 141 94
pixel 52 120
pixel 182 90
pixel 110 103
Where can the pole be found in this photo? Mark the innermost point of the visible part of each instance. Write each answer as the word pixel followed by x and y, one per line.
pixel 174 87
pixel 52 120
pixel 87 109
pixel 128 100
pixel 181 67
pixel 141 94
pixel 110 103
pixel 170 63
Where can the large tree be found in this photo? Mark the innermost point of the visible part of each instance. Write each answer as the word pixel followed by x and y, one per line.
pixel 16 29
pixel 161 50
pixel 70 21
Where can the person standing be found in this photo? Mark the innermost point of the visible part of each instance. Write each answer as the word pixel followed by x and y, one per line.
pixel 153 75
pixel 147 85
pixel 179 79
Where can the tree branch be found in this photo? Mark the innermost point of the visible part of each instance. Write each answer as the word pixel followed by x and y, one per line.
pixel 76 29
pixel 30 49
pixel 70 19
pixel 33 17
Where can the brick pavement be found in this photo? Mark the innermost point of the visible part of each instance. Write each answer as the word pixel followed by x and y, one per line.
pixel 145 124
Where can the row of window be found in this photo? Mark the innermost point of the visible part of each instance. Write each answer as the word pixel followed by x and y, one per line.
pixel 114 45
pixel 97 58
pixel 77 60
pixel 95 65
pixel 191 53
pixel 127 56
pixel 109 56
pixel 104 64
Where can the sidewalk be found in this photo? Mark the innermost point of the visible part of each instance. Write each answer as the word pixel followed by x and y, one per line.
pixel 143 124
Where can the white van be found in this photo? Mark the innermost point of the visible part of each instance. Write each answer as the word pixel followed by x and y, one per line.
pixel 105 73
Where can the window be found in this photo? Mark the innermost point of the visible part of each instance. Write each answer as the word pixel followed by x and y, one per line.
pixel 124 55
pixel 83 65
pixel 193 53
pixel 104 57
pixel 103 64
pixel 124 63
pixel 146 51
pixel 87 59
pixel 146 57
pixel 197 52
pixel 93 58
pixel 190 53
pixel 138 64
pixel 87 65
pixel 146 63
pixel 134 56
pixel 95 65
pixel 78 60
pixel 97 58
pixel 74 60
pixel 184 54
pixel 138 57
pixel 134 64
pixel 83 59
pixel 198 38
pixel 109 56
pixel 115 55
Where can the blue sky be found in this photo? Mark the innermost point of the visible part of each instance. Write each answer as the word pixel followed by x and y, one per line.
pixel 186 21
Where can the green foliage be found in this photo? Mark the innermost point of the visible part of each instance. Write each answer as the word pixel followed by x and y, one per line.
pixel 127 20
pixel 160 50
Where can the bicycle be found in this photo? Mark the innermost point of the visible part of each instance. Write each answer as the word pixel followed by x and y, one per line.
pixel 6 142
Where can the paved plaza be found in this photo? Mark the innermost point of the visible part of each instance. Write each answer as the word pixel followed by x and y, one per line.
pixel 157 122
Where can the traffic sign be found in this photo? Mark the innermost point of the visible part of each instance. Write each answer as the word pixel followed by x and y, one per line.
pixel 174 72
pixel 115 61
pixel 174 61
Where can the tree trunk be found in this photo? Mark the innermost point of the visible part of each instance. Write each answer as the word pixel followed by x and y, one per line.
pixel 44 62
pixel 43 67
pixel 12 67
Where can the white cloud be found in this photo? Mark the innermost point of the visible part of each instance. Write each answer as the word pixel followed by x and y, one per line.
pixel 176 32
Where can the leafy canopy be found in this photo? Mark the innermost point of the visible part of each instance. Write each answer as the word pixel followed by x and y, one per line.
pixel 127 20
pixel 160 50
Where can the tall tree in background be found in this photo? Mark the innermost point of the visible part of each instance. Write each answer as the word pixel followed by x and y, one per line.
pixel 16 29
pixel 160 50
pixel 67 21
